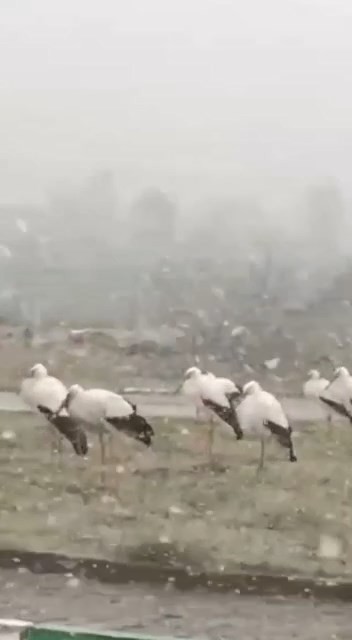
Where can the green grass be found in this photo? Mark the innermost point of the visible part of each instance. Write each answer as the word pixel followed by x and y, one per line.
pixel 168 506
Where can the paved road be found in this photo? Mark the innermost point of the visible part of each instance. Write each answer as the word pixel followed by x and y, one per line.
pixel 156 405
pixel 66 600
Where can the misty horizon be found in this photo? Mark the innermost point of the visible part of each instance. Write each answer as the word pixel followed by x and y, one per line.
pixel 202 99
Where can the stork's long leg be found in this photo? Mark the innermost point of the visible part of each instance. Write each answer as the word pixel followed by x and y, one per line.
pixel 111 446
pixel 198 414
pixel 52 442
pixel 107 466
pixel 113 461
pixel 211 434
pixel 261 458
pixel 55 442
pixel 60 448
pixel 102 454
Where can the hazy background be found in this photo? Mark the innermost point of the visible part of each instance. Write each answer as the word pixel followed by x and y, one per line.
pixel 199 96
pixel 161 160
pixel 175 188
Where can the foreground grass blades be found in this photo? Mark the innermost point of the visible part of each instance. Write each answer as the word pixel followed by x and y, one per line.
pixel 168 506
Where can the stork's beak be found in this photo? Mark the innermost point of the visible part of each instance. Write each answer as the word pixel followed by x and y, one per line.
pixel 235 394
pixel 146 436
pixel 63 405
pixel 238 392
pixel 178 388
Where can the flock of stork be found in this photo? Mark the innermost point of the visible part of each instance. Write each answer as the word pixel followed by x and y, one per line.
pixel 247 410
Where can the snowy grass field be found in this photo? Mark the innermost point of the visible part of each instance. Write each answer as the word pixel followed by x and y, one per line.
pixel 167 505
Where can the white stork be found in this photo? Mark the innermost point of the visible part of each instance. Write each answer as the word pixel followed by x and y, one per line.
pixel 338 394
pixel 215 394
pixel 261 413
pixel 190 388
pixel 315 384
pixel 313 388
pixel 103 410
pixel 44 394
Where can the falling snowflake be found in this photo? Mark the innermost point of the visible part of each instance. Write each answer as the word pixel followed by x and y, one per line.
pixel 21 225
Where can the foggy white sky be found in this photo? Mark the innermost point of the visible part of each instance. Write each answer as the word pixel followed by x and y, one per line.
pixel 196 96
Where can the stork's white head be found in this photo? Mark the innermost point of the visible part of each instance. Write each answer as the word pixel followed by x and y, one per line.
pixel 250 388
pixel 314 374
pixel 341 372
pixel 74 390
pixel 38 371
pixel 192 372
pixel 71 393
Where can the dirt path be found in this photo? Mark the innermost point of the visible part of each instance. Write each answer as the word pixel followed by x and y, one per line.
pixel 65 600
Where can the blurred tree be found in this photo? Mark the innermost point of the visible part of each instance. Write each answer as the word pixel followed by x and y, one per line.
pixel 223 229
pixel 213 230
pixel 98 197
pixel 325 218
pixel 84 223
pixel 152 223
